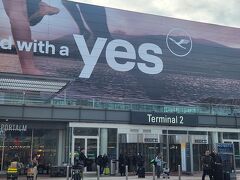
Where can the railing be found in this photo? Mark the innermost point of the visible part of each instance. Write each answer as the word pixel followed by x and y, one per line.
pixel 161 107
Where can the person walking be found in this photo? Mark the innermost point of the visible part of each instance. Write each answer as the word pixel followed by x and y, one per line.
pixel 140 166
pixel 158 164
pixel 99 161
pixel 106 169
pixel 122 163
pixel 217 166
pixel 206 164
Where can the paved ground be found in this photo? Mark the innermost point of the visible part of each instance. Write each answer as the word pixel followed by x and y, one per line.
pixel 195 177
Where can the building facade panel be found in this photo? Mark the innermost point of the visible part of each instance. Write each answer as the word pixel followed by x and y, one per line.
pixel 226 121
pixel 115 82
pixel 210 121
pixel 93 115
pixel 65 113
pixel 7 111
pixel 37 112
pixel 118 116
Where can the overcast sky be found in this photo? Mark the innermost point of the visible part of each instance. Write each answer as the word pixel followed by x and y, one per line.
pixel 225 13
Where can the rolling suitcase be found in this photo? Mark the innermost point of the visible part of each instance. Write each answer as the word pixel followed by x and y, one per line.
pixel 141 172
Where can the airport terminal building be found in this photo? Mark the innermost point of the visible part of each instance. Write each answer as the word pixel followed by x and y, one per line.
pixel 116 82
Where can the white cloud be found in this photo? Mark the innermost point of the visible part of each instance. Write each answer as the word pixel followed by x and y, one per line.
pixel 217 12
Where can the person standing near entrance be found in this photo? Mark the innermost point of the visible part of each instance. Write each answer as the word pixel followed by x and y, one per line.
pixel 217 166
pixel 79 164
pixel 122 164
pixel 100 163
pixel 158 164
pixel 207 165
pixel 140 165
pixel 82 157
pixel 80 160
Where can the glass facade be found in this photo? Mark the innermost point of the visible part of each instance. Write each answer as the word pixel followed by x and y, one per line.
pixel 23 145
pixel 234 139
pixel 95 141
pixel 172 146
pixel 45 144
pixel 166 107
pixel 112 143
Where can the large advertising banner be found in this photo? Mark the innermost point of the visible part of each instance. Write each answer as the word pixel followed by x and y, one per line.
pixel 120 55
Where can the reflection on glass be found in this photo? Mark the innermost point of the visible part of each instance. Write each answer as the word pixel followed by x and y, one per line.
pixel 20 145
pixel 45 143
pixel 91 154
pixel 16 145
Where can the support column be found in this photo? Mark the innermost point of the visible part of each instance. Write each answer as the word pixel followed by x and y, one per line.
pixel 214 139
pixel 103 141
pixel 168 155
pixel 221 137
pixel 60 147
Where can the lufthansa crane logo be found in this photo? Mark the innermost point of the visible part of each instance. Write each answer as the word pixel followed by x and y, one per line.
pixel 179 42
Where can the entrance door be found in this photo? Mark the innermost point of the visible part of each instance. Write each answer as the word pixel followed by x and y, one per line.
pixel 174 156
pixel 91 146
pixel 236 145
pixel 198 152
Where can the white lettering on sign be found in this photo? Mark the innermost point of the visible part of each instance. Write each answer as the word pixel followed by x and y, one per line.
pixel 112 54
pixel 42 47
pixel 165 119
pixel 13 127
pixel 120 54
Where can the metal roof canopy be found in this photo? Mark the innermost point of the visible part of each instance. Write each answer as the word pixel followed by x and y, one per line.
pixel 31 83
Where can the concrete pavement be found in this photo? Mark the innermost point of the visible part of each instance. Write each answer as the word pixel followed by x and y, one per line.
pixel 194 177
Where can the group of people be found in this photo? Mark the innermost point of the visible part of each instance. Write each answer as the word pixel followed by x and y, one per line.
pixel 212 165
pixel 124 160
pixel 103 162
pixel 81 161
pixel 211 162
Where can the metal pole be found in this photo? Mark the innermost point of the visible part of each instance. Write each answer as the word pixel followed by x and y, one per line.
pixel 154 175
pixel 126 172
pixel 3 151
pixel 31 155
pixel 67 172
pixel 179 172
pixel 98 172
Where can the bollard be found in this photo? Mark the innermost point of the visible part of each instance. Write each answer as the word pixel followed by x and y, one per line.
pixel 98 172
pixel 154 174
pixel 126 172
pixel 67 172
pixel 179 172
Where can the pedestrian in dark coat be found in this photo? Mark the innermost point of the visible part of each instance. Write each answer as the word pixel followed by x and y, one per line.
pixel 122 163
pixel 99 161
pixel 207 165
pixel 217 166
pixel 105 161
pixel 140 162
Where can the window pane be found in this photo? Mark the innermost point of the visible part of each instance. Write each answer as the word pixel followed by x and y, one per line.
pixel 86 131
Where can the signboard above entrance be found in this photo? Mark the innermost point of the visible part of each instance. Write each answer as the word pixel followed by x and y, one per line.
pixel 163 119
pixel 12 127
